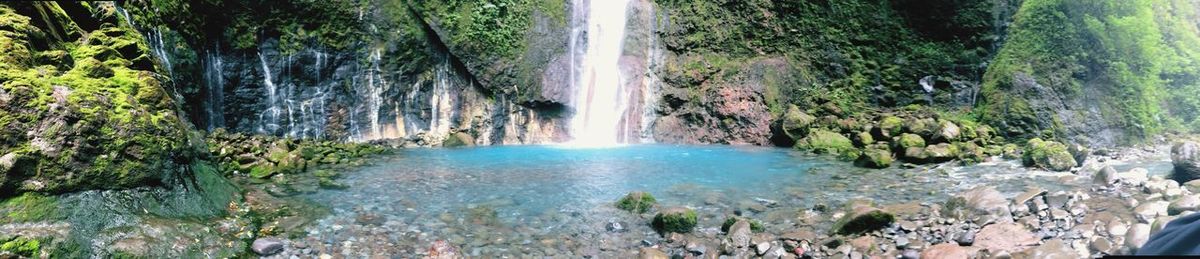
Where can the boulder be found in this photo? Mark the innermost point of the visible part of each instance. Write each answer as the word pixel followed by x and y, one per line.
pixel 905 141
pixel 652 253
pixel 1105 177
pixel 796 122
pixel 889 126
pixel 675 220
pixel 827 142
pixel 1185 156
pixel 1137 236
pixel 926 127
pixel 947 131
pixel 459 139
pixel 1052 249
pixel 986 201
pixel 875 158
pixel 737 238
pixel 1047 154
pixel 862 217
pixel 1079 153
pixel 939 153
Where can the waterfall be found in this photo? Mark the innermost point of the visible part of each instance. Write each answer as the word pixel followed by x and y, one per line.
pixel 596 46
pixel 441 107
pixel 214 84
pixel 269 117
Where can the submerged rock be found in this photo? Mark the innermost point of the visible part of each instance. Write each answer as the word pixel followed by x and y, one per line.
pixel 875 158
pixel 636 202
pixel 1185 156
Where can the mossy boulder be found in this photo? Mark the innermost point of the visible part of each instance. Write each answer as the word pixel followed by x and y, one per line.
pixel 947 131
pixel 459 139
pixel 926 127
pixel 1050 155
pixel 864 138
pixel 827 142
pixel 636 202
pixel 939 153
pixel 861 217
pixel 875 158
pixel 905 141
pixel 796 122
pixel 755 225
pixel 890 126
pixel 675 220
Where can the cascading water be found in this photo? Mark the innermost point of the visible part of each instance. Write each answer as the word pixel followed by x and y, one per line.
pixel 596 46
pixel 270 117
pixel 214 86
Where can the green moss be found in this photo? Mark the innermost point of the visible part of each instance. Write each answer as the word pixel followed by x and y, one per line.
pixel 636 202
pixel 29 207
pixel 675 220
pixel 892 125
pixel 22 247
pixel 905 141
pixel 827 142
pixel 1047 154
pixel 875 158
pixel 755 225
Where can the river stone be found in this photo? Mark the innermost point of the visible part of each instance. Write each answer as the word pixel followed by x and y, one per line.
pixel 861 216
pixel 1053 249
pixel 1192 186
pixel 1006 237
pixel 947 131
pixel 676 220
pixel 1079 152
pixel 1185 156
pixel 652 253
pixel 967 238
pixel 986 201
pixel 1185 203
pixel 1137 236
pixel 1101 245
pixel 267 246
pixel 949 250
pixel 738 237
pixel 1148 211
pixel 1136 176
pixel 1105 177
pixel 875 158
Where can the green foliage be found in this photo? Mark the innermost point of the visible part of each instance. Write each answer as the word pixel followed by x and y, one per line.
pixel 636 202
pixel 852 53
pixel 1138 55
pixel 490 27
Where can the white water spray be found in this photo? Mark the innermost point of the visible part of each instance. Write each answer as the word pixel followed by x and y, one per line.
pixel 599 99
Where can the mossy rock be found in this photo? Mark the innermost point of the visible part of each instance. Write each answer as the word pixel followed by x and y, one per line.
pixel 262 170
pixel 940 153
pixel 1050 155
pixel 1010 151
pixel 969 152
pixel 827 142
pixel 906 140
pixel 926 127
pixel 864 138
pixel 891 126
pixel 327 183
pixel 862 217
pixel 875 158
pixel 636 202
pixel 459 139
pixel 755 225
pixel 796 122
pixel 28 207
pixel 675 220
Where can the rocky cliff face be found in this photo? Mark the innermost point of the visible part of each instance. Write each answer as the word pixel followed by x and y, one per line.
pixel 81 98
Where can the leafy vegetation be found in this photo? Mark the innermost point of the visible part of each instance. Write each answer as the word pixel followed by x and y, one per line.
pixel 1136 59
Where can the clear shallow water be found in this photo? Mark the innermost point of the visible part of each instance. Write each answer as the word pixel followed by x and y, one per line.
pixel 536 178
pixel 555 201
